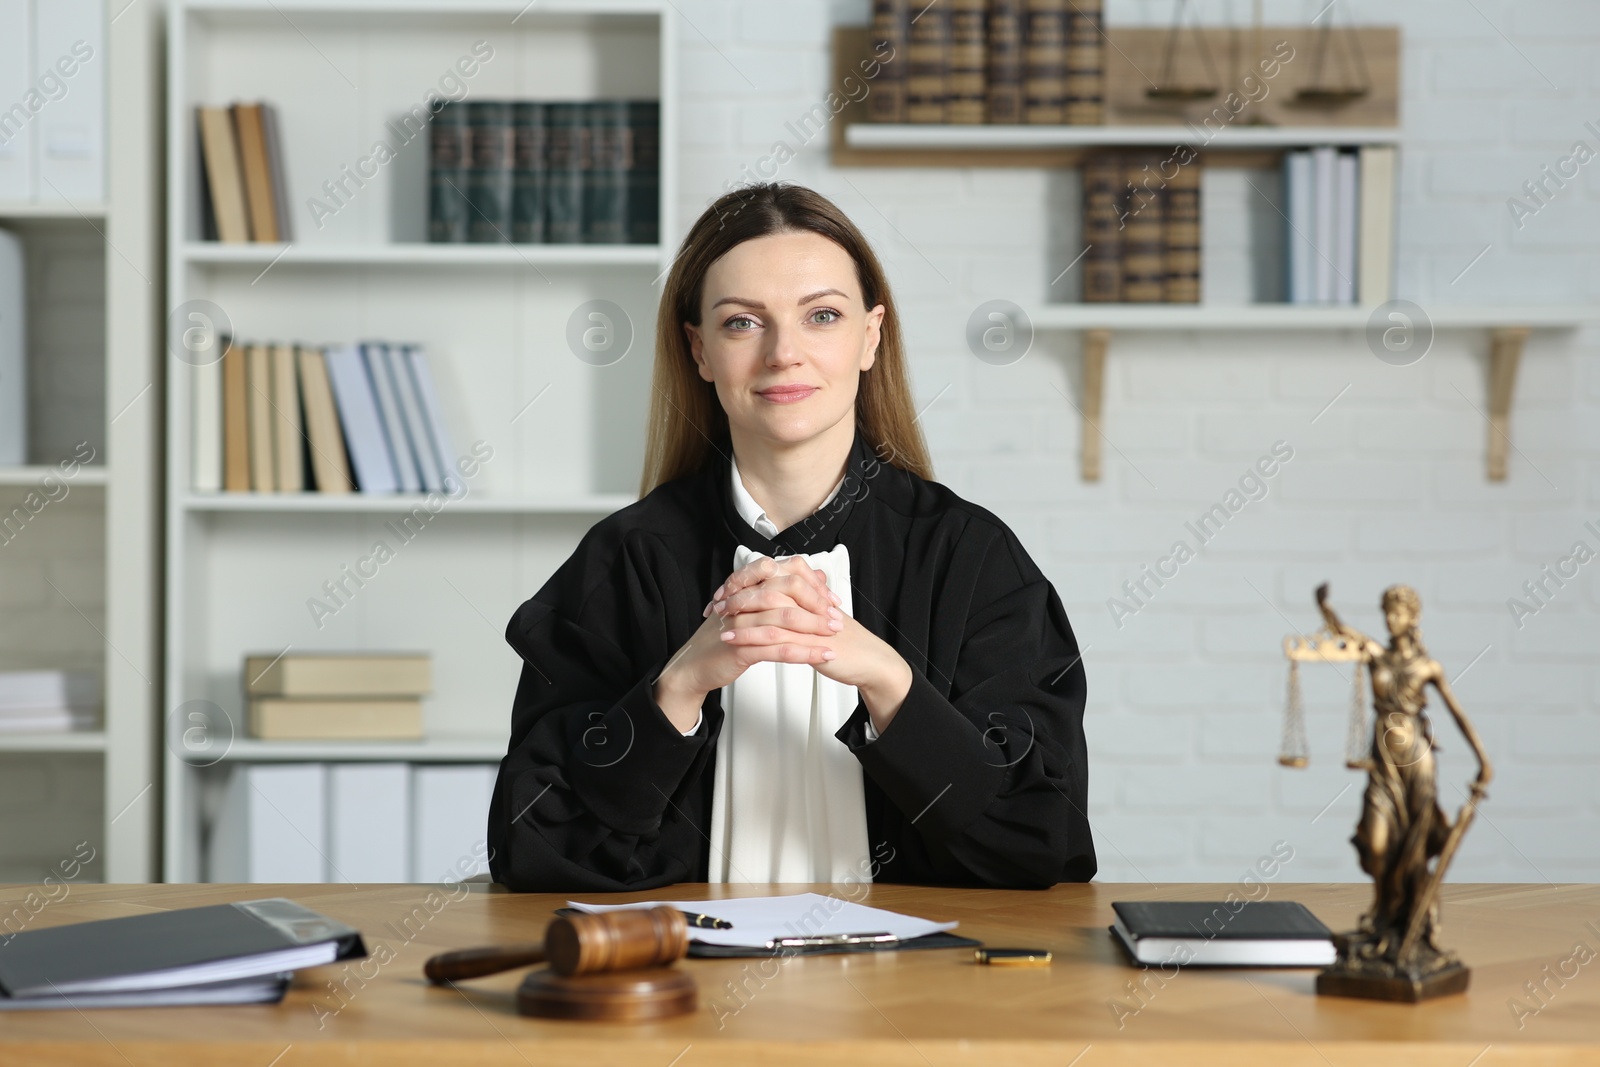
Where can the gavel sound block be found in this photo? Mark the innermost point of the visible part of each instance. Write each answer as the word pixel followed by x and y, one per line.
pixel 613 966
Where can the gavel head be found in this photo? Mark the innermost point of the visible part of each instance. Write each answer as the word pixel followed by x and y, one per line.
pixel 622 940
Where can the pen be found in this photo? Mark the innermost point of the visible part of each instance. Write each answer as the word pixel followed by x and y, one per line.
pixel 706 922
pixel 873 938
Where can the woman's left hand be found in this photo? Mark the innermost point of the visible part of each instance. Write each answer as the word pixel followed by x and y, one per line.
pixel 880 674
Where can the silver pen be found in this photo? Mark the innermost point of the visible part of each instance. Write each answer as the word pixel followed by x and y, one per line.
pixel 876 937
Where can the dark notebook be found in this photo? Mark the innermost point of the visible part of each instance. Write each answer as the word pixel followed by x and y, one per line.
pixel 223 953
pixel 1267 933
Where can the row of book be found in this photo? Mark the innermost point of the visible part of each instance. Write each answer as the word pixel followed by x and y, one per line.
pixel 532 172
pixel 294 418
pixel 995 61
pixel 1340 212
pixel 1141 226
pixel 241 158
pixel 49 702
pixel 337 697
pixel 362 823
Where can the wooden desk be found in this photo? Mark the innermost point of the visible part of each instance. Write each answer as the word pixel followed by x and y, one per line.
pixel 919 1008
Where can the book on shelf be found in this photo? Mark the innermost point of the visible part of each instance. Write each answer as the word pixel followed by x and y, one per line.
pixel 336 675
pixel 889 37
pixel 337 697
pixel 449 145
pixel 1338 232
pixel 1102 228
pixel 49 701
pixel 258 379
pixel 1375 189
pixel 1144 262
pixel 489 157
pixel 928 65
pixel 1003 68
pixel 286 418
pixel 528 178
pixel 375 358
pixel 1085 81
pixel 966 96
pixel 241 163
pixel 556 172
pixel 1044 52
pixel 348 719
pixel 1181 235
pixel 1141 228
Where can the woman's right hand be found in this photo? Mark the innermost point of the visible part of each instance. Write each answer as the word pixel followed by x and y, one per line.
pixel 787 598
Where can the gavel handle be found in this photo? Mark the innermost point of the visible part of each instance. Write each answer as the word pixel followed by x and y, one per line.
pixel 477 962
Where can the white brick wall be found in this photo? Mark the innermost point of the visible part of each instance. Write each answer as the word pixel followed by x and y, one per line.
pixel 1386 486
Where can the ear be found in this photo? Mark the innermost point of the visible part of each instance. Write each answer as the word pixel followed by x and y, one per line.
pixel 692 332
pixel 874 336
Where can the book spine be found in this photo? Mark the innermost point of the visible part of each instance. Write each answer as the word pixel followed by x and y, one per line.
pixel 1301 221
pixel 527 172
pixel 928 53
pixel 965 96
pixel 1044 59
pixel 605 200
pixel 567 146
pixel 1345 223
pixel 891 20
pixel 1085 63
pixel 1004 66
pixel 1102 229
pixel 447 175
pixel 235 420
pixel 206 447
pixel 489 172
pixel 1323 195
pixel 1375 243
pixel 644 173
pixel 1182 235
pixel 1143 265
pixel 262 461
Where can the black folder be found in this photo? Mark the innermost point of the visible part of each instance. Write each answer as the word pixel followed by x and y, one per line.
pixel 236 953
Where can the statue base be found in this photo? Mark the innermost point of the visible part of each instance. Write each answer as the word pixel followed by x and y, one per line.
pixel 1437 974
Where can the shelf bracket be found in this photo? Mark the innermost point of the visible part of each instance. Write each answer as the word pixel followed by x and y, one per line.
pixel 1095 343
pixel 1505 353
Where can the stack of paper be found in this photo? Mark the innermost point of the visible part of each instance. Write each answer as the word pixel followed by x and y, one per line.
pixel 758 922
pixel 49 701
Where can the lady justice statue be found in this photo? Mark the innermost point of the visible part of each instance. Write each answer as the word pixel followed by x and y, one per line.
pixel 1392 955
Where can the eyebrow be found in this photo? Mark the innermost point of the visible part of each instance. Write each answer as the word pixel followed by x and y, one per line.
pixel 759 306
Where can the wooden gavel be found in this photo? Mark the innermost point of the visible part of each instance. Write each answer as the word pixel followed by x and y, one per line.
pixel 587 943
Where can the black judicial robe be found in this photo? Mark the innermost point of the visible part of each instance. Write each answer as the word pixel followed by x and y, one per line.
pixel 981 778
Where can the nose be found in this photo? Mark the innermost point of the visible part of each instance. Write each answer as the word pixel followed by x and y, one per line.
pixel 781 347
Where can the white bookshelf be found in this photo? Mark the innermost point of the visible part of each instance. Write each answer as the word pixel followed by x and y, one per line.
pixel 94 296
pixel 493 319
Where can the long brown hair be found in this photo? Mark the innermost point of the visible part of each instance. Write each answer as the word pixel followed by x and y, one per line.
pixel 687 423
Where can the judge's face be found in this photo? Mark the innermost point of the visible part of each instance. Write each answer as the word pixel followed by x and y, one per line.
pixel 784 336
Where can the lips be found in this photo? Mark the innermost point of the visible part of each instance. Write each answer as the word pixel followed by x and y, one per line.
pixel 788 392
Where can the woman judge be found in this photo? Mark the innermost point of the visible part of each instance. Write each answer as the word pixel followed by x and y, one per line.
pixel 796 658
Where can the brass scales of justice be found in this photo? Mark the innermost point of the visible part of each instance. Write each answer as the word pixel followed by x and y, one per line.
pixel 1391 955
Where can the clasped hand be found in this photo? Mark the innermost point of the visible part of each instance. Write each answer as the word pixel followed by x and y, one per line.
pixel 783 611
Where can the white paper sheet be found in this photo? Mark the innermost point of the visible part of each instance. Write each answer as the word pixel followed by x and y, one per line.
pixel 757 920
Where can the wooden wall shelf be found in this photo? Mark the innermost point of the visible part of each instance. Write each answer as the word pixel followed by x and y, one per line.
pixel 1508 329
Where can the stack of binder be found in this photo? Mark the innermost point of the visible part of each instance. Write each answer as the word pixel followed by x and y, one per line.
pixel 240 953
